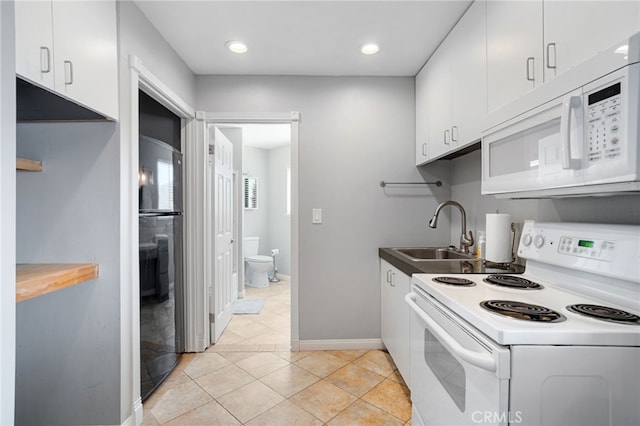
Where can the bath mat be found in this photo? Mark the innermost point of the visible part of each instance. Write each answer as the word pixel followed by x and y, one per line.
pixel 248 306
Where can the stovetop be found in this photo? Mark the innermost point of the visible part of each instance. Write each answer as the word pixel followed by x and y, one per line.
pixel 575 329
pixel 602 271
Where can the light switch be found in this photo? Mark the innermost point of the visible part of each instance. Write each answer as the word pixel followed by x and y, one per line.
pixel 316 216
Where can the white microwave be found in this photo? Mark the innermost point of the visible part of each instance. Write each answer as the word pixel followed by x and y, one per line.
pixel 584 142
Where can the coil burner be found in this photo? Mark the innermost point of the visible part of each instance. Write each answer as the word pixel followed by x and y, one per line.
pixel 462 282
pixel 512 282
pixel 605 313
pixel 522 311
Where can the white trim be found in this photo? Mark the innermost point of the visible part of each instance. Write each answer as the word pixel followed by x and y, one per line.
pixel 250 117
pixel 339 345
pixel 136 418
pixel 195 231
pixel 139 78
pixel 293 118
pixel 7 214
pixel 159 91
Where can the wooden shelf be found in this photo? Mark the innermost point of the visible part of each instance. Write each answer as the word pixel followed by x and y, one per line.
pixel 37 279
pixel 24 164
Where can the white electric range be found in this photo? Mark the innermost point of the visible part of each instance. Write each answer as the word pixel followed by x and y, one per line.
pixel 521 349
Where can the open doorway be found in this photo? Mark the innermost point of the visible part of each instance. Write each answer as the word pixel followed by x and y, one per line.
pixel 262 230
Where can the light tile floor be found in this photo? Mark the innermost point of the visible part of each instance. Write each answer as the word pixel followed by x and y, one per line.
pixel 250 377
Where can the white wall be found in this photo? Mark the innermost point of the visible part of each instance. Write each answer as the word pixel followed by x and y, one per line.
pixel 137 36
pixel 69 212
pixel 354 132
pixel 7 213
pixel 256 221
pixel 279 223
pixel 465 188
pixel 270 221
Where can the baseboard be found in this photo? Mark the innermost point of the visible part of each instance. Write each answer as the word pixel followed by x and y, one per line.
pixel 339 344
pixel 295 345
pixel 135 419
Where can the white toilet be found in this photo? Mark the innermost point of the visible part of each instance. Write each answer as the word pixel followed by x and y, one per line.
pixel 258 267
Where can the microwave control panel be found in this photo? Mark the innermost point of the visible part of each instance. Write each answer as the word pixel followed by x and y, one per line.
pixel 604 121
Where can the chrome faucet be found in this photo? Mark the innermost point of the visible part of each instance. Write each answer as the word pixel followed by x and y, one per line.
pixel 465 241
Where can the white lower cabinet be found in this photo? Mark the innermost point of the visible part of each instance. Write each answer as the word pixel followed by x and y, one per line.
pixel 395 316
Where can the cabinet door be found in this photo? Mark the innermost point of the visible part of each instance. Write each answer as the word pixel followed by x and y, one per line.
pixel 395 316
pixel 438 88
pixel 574 31
pixel 468 56
pixel 86 57
pixel 386 304
pixel 422 118
pixel 34 42
pixel 514 50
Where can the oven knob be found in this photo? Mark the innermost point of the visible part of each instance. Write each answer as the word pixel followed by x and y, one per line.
pixel 526 240
pixel 538 241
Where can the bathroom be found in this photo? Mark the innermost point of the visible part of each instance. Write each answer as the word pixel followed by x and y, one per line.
pixel 266 180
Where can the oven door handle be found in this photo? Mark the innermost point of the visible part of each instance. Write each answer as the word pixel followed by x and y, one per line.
pixel 484 361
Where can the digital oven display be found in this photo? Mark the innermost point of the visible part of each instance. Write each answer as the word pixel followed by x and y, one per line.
pixel 605 93
pixel 585 243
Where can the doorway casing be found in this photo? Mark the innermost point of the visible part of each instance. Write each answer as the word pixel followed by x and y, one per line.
pixel 205 119
pixel 140 78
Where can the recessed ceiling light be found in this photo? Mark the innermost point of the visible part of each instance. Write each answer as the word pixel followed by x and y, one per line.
pixel 370 49
pixel 236 46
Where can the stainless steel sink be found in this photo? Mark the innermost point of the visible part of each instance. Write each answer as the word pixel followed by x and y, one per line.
pixel 433 253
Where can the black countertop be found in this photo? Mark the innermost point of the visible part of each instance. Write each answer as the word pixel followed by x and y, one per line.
pixel 474 266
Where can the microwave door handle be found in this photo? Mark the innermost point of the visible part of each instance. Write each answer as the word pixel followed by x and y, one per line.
pixel 565 131
pixel 484 361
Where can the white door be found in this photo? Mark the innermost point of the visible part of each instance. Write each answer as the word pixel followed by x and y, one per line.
pixel 221 291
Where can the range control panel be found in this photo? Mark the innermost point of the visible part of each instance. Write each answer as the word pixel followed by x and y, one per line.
pixel 604 249
pixel 604 121
pixel 586 247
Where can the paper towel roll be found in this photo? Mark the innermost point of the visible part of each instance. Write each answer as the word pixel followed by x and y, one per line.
pixel 498 238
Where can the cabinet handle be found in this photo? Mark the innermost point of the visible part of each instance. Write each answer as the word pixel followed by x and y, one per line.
pixel 389 276
pixel 393 274
pixel 424 149
pixel 555 64
pixel 45 58
pixel 68 72
pixel 446 132
pixel 530 69
pixel 454 134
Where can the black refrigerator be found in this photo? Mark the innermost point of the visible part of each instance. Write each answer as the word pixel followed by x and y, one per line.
pixel 161 261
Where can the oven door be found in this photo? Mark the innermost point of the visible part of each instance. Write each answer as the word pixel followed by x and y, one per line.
pixel 458 376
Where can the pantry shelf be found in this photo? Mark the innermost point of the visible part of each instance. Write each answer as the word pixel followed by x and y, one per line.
pixel 24 164
pixel 37 279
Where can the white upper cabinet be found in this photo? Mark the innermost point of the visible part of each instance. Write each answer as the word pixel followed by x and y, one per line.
pixel 574 31
pixel 531 42
pixel 70 47
pixel 34 42
pixel 451 90
pixel 467 43
pixel 514 56
pixel 422 118
pixel 438 103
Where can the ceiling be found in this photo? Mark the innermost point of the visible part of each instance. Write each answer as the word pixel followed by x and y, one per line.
pixel 304 37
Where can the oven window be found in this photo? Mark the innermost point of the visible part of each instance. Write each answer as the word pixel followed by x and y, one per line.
pixel 446 368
